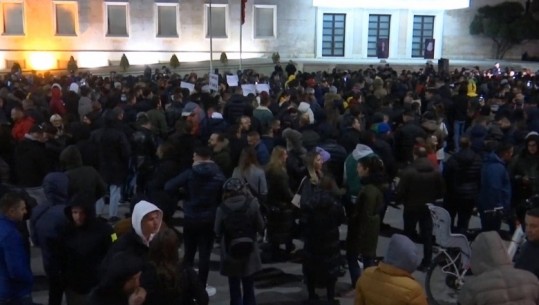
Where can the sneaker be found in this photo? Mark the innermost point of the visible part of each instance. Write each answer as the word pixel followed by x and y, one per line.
pixel 210 290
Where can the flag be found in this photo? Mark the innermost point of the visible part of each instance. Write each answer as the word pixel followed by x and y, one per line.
pixel 243 2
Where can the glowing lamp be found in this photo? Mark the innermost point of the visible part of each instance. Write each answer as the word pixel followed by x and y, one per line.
pixel 42 61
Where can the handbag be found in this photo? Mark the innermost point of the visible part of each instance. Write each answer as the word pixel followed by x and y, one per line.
pixel 297 196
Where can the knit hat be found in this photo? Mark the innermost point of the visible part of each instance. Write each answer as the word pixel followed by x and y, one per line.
pixel 323 153
pixel 402 253
pixel 332 89
pixel 293 137
pixel 361 151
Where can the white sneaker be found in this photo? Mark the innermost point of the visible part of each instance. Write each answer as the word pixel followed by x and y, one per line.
pixel 210 290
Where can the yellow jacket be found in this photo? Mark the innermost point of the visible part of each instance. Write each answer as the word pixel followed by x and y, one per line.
pixel 388 285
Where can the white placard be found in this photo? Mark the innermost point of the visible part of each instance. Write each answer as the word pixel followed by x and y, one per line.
pixel 189 86
pixel 214 82
pixel 248 88
pixel 232 80
pixel 262 87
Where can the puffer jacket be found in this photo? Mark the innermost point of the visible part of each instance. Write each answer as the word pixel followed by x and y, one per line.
pixel 496 281
pixel 495 184
pixel 462 173
pixel 203 183
pixel 420 184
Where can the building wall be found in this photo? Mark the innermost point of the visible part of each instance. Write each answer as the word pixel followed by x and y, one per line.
pixel 298 33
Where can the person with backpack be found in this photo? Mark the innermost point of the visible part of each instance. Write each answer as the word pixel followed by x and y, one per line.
pixel 237 222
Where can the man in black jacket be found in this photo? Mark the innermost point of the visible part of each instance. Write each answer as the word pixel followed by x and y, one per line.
pixel 527 258
pixel 81 260
pixel 462 174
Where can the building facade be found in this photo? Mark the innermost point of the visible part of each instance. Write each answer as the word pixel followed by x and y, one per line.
pixel 43 34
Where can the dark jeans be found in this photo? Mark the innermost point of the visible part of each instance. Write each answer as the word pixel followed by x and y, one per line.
pixel 491 221
pixel 198 236
pixel 354 268
pixel 235 285
pixel 463 208
pixel 27 300
pixel 56 286
pixel 421 215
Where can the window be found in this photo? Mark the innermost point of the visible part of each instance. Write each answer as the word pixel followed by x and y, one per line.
pixel 13 18
pixel 423 29
pixel 216 25
pixel 117 19
pixel 66 13
pixel 333 34
pixel 167 20
pixel 378 28
pixel 265 21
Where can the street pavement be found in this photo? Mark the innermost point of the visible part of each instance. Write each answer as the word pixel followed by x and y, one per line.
pixel 277 283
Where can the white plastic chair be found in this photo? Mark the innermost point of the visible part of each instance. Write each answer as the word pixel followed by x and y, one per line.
pixel 441 230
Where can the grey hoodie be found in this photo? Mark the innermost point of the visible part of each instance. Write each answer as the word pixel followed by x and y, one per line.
pixel 402 253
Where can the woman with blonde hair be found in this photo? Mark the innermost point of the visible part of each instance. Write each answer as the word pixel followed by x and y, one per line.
pixel 280 213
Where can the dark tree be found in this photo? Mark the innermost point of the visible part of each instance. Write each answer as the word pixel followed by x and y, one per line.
pixel 124 62
pixel 507 24
pixel 174 62
pixel 72 65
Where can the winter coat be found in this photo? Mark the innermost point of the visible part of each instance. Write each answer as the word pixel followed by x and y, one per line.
pixel 83 248
pixel 16 277
pixel 203 183
pixel 31 163
pixel 235 108
pixel 82 179
pixel 159 122
pixel 527 257
pixel 391 282
pixel 351 179
pixel 189 289
pixel 420 184
pixel 48 220
pixel 349 139
pixel 388 285
pixel 133 242
pixel 524 165
pixel 255 177
pixel 295 167
pixel 364 221
pixel 462 174
pixel 21 127
pixel 320 220
pixel 405 139
pixel 223 159
pixel 280 214
pixel 114 151
pixel 263 115
pixel 165 170
pixel 495 280
pixel 495 184
pixel 239 267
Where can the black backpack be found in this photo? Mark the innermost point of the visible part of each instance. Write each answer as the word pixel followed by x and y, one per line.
pixel 239 231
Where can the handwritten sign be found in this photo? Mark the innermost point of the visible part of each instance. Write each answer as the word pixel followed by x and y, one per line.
pixel 214 82
pixel 262 88
pixel 232 80
pixel 189 86
pixel 248 88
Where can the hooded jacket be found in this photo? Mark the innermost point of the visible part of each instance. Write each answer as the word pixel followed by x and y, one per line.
pixel 350 177
pixel 203 183
pixel 495 184
pixel 82 179
pixel 391 282
pixel 31 162
pixel 134 242
pixel 83 248
pixel 496 281
pixel 48 220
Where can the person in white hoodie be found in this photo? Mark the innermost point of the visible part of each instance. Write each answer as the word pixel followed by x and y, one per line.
pixel 146 221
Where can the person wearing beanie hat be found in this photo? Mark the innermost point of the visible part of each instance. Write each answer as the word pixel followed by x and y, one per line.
pixel 120 284
pixel 391 282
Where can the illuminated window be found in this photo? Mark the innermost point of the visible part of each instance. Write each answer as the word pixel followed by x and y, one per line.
pixel 117 18
pixel 13 18
pixel 378 28
pixel 167 20
pixel 265 21
pixel 423 29
pixel 333 34
pixel 66 16
pixel 216 25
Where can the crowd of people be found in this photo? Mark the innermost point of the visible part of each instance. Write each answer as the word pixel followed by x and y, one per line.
pixel 257 172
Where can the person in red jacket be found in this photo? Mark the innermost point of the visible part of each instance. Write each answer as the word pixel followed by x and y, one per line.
pixel 56 104
pixel 21 123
